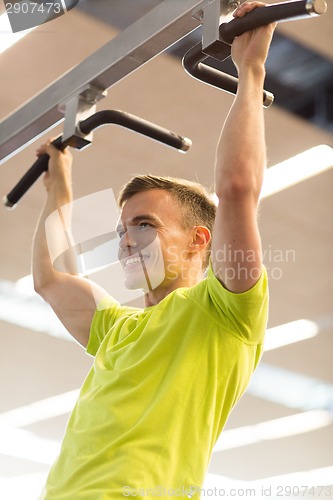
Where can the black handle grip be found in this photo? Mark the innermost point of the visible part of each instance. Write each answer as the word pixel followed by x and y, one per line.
pixel 85 127
pixel 40 166
pixel 192 62
pixel 269 14
pixel 124 119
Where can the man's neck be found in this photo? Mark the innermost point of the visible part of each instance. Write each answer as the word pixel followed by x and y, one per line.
pixel 155 296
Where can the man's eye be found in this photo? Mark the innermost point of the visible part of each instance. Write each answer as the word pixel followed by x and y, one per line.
pixel 143 225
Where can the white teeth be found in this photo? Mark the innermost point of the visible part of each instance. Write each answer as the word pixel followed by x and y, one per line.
pixel 133 260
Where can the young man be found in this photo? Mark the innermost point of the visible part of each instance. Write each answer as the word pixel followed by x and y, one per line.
pixel 166 377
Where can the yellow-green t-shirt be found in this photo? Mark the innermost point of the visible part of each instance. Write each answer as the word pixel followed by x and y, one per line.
pixel 163 383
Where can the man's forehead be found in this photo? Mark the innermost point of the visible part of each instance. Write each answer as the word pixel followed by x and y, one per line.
pixel 156 203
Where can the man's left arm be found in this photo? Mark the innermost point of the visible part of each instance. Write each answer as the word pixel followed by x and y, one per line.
pixel 240 164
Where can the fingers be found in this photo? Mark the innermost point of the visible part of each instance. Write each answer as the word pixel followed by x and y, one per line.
pixel 50 149
pixel 45 148
pixel 246 7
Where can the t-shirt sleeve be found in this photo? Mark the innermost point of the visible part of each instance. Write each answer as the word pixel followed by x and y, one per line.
pixel 107 312
pixel 245 314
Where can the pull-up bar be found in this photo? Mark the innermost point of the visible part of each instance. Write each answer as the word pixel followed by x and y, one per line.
pixel 85 127
pixel 286 11
pixel 220 48
pixel 150 35
pixel 79 90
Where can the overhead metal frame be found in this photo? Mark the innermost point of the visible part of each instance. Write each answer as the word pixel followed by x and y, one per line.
pixel 147 37
pixel 150 35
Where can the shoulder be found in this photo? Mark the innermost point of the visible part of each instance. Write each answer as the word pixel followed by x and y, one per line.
pixel 243 314
pixel 106 315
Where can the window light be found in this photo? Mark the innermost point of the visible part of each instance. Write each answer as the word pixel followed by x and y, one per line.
pixel 7 37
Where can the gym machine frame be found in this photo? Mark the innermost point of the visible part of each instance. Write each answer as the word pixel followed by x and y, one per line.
pixel 73 97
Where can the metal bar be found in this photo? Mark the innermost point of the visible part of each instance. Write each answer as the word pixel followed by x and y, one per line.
pixel 112 116
pixel 284 11
pixel 139 125
pixel 150 35
pixel 193 63
pixel 220 47
pixel 40 166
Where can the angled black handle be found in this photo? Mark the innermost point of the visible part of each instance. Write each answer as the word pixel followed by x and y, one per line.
pixel 132 122
pixel 194 58
pixel 285 11
pixel 193 64
pixel 86 126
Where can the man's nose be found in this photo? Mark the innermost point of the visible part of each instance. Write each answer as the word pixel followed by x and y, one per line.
pixel 128 240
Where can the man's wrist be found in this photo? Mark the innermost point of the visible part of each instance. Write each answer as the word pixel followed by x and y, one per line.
pixel 248 70
pixel 251 81
pixel 60 193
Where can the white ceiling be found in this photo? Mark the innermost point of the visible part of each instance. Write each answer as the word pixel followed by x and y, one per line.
pixel 34 365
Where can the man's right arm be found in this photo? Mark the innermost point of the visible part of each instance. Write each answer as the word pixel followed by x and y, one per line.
pixel 73 298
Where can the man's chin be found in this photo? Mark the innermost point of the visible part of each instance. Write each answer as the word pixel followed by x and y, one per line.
pixel 145 280
pixel 136 284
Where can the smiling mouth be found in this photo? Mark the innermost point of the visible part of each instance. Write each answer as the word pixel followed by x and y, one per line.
pixel 129 261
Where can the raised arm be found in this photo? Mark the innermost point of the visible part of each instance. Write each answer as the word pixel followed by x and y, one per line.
pixel 240 164
pixel 72 297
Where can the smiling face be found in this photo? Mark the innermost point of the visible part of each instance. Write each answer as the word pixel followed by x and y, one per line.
pixel 155 249
pixel 140 252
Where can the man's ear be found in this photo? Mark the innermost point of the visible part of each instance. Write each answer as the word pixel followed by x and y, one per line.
pixel 201 236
